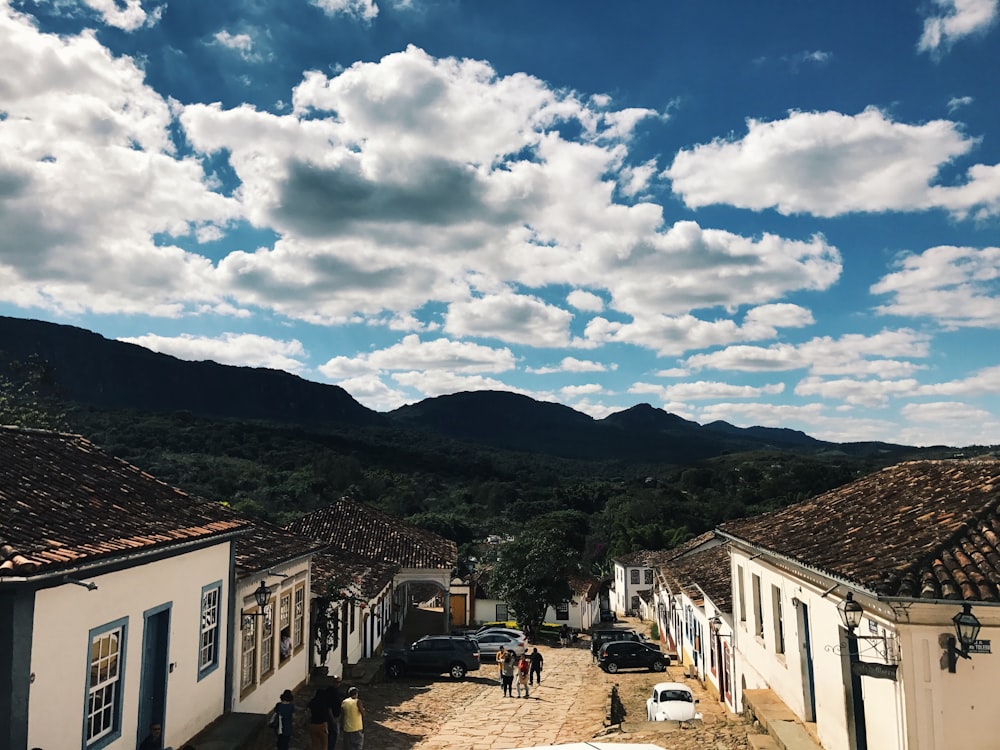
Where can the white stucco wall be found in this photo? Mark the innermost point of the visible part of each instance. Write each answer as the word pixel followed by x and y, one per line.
pixel 621 596
pixel 60 652
pixel 265 688
pixel 759 665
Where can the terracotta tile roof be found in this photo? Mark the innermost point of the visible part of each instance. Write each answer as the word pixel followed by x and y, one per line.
pixel 654 558
pixel 708 570
pixel 266 545
pixel 375 535
pixel 336 571
pixel 587 587
pixel 927 529
pixel 65 502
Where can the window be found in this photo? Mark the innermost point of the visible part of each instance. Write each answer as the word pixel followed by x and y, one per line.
pixel 740 592
pixel 208 652
pixel 284 624
pixel 562 611
pixel 634 575
pixel 248 660
pixel 501 613
pixel 299 617
pixel 267 641
pixel 647 576
pixel 104 684
pixel 779 624
pixel 758 607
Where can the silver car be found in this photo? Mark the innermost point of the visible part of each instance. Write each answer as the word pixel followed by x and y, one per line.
pixel 490 642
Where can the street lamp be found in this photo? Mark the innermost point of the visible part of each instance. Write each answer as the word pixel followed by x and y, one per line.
pixel 967 627
pixel 262 594
pixel 850 614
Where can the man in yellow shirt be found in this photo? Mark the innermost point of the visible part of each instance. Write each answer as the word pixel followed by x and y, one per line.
pixel 352 712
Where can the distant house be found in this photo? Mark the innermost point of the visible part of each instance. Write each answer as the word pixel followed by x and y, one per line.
pixel 352 607
pixel 278 560
pixel 422 556
pixel 632 575
pixel 116 599
pixel 581 612
pixel 907 549
pixel 694 600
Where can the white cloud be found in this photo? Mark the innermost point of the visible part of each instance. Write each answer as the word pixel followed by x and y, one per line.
pixel 885 355
pixel 948 423
pixel 128 18
pixel 586 301
pixel 514 318
pixel 82 131
pixel 956 19
pixel 704 390
pixel 242 43
pixel 429 356
pixel 957 102
pixel 364 10
pixel 572 364
pixel 956 286
pixel 241 349
pixel 828 164
pixel 574 391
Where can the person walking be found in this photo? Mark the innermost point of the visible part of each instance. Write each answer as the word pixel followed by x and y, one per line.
pixel 507 670
pixel 285 708
pixel 500 657
pixel 536 667
pixel 319 718
pixel 334 697
pixel 352 724
pixel 523 665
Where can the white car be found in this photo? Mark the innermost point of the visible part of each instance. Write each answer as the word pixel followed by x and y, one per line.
pixel 671 701
pixel 491 641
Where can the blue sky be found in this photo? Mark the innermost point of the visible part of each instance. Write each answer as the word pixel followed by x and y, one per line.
pixel 780 214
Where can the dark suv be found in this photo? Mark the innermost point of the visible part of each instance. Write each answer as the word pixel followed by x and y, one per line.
pixel 599 637
pixel 434 654
pixel 615 655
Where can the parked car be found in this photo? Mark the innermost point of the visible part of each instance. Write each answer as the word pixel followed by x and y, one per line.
pixel 434 654
pixel 616 655
pixel 509 624
pixel 671 701
pixel 506 631
pixel 490 642
pixel 599 637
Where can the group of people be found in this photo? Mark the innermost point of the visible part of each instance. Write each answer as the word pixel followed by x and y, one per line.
pixel 519 672
pixel 332 714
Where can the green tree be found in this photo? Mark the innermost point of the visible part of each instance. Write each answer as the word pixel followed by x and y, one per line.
pixel 531 573
pixel 26 395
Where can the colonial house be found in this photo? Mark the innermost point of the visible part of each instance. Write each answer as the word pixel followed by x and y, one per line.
pixel 632 575
pixel 352 608
pixel 423 557
pixel 116 599
pixel 869 610
pixel 581 612
pixel 272 565
pixel 694 599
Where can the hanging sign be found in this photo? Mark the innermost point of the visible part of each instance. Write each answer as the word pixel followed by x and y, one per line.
pixel 874 669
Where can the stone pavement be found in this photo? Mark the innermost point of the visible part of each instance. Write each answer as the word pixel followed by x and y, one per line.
pixel 570 705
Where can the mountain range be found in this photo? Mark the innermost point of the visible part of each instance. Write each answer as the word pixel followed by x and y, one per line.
pixel 86 368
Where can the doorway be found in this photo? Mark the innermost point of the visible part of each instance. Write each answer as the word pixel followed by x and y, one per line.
pixel 153 676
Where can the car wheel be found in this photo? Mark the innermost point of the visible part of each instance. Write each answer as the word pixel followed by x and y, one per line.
pixel 458 671
pixel 611 667
pixel 395 669
pixel 658 666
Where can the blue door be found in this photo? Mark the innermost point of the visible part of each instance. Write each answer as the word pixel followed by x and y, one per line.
pixel 808 683
pixel 153 677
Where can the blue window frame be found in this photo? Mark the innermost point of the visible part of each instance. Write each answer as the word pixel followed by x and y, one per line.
pixel 102 717
pixel 208 637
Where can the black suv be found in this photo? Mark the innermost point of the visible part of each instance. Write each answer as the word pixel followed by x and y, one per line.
pixel 434 654
pixel 599 637
pixel 616 655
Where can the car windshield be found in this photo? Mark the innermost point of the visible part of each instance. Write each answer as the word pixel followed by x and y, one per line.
pixel 676 695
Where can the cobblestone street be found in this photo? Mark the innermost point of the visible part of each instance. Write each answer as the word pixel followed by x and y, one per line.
pixel 569 706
